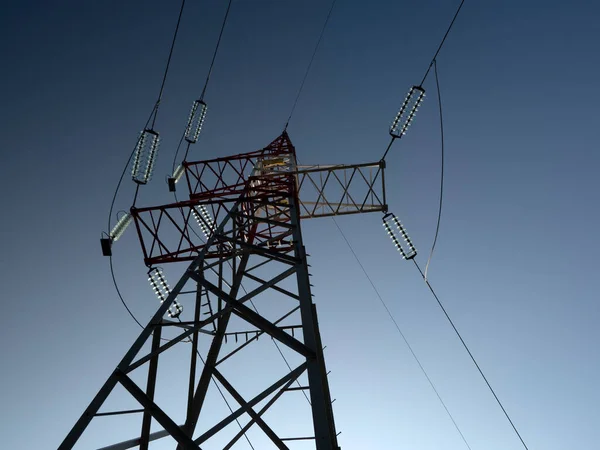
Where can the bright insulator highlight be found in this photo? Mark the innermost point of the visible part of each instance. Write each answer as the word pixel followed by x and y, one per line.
pixel 407 250
pixel 178 173
pixel 145 156
pixel 195 122
pixel 172 181
pixel 121 226
pixel 204 220
pixel 407 112
pixel 162 290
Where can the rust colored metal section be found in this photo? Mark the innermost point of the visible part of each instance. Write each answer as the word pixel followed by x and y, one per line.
pixel 263 180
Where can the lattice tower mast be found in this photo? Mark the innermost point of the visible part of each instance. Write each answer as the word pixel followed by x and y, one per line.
pixel 248 279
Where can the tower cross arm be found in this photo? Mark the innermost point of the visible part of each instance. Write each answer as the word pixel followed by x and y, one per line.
pixel 333 190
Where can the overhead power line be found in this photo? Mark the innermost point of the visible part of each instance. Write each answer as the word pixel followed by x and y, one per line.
pixel 164 80
pixel 210 69
pixel 389 313
pixel 310 64
pixel 151 118
pixel 466 347
pixel 214 57
pixel 437 52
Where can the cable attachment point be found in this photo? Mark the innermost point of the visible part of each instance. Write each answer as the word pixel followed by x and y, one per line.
pixel 407 250
pixel 162 291
pixel 115 234
pixel 144 158
pixel 407 111
pixel 172 181
pixel 195 121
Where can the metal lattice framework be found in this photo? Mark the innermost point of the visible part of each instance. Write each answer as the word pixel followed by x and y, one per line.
pixel 169 233
pixel 249 279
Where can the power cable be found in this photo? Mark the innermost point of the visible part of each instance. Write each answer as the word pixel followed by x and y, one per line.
pixel 212 63
pixel 164 80
pixel 429 67
pixel 442 43
pixel 291 113
pixel 112 273
pixel 414 355
pixel 439 217
pixel 153 114
pixel 151 117
pixel 310 64
pixel 210 69
pixel 114 199
pixel 470 354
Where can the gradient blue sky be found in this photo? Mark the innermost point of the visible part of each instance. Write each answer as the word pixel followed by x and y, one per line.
pixel 516 262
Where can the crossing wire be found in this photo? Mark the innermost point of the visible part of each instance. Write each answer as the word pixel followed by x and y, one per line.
pixel 164 80
pixel 466 347
pixel 210 69
pixel 389 313
pixel 310 64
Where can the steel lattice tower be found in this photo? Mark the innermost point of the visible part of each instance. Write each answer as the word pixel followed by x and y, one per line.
pixel 248 279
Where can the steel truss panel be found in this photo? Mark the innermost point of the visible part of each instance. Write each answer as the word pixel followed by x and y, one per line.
pixel 342 189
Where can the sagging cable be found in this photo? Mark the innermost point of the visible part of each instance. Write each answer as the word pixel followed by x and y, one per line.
pixel 406 248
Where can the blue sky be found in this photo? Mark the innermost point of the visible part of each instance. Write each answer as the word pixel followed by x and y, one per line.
pixel 515 264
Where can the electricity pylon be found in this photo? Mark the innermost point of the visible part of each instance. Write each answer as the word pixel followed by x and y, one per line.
pixel 248 279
